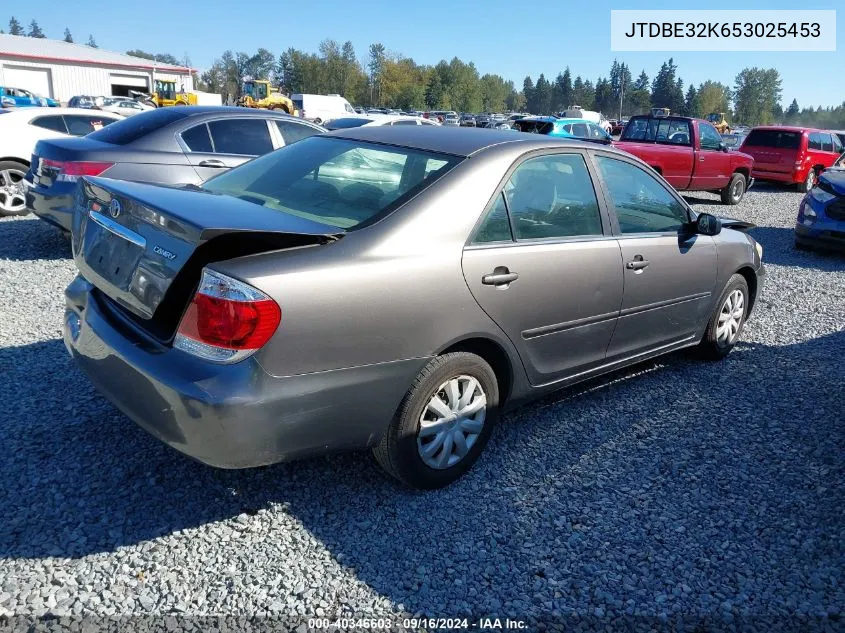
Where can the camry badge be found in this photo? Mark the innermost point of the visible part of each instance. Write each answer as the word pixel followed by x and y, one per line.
pixel 114 208
pixel 158 250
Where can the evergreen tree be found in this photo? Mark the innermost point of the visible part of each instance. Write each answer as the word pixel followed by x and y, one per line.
pixel 91 42
pixel 35 30
pixel 68 36
pixel 15 27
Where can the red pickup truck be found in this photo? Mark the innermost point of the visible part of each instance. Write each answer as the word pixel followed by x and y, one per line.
pixel 689 154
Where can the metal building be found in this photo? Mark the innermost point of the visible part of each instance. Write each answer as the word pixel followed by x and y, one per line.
pixel 57 69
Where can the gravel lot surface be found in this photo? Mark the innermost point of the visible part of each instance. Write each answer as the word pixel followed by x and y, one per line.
pixel 678 488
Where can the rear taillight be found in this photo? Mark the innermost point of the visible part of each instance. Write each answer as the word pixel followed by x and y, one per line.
pixel 70 171
pixel 227 320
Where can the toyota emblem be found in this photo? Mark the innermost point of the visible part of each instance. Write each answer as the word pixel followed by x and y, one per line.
pixel 114 208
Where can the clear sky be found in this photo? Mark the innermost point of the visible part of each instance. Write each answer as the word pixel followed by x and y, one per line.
pixel 513 39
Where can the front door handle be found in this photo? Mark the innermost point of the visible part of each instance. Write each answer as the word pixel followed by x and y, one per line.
pixel 500 276
pixel 212 162
pixel 638 264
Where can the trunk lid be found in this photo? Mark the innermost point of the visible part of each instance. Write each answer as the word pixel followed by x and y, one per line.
pixel 144 246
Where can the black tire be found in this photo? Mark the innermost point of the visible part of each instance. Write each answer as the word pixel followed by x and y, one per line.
pixel 809 181
pixel 397 451
pixel 710 347
pixel 732 194
pixel 801 245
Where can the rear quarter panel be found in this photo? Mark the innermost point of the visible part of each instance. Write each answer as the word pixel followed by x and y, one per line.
pixel 391 291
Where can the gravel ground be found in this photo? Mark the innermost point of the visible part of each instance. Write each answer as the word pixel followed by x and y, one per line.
pixel 677 488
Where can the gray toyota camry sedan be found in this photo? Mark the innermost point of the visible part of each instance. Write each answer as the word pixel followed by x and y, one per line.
pixel 390 287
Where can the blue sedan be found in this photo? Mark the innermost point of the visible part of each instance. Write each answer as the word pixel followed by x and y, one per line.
pixel 821 216
pixel 19 98
pixel 563 128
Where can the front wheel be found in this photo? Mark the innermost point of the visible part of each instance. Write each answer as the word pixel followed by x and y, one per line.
pixel 732 194
pixel 726 323
pixel 443 423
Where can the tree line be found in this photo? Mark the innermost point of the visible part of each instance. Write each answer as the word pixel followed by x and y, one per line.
pixel 15 28
pixel 389 79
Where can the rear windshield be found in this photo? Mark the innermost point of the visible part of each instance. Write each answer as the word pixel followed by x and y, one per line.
pixel 773 138
pixel 343 124
pixel 534 127
pixel 131 129
pixel 335 181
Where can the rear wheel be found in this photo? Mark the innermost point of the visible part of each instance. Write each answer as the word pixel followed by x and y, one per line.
pixel 809 181
pixel 726 323
pixel 443 423
pixel 12 191
pixel 732 194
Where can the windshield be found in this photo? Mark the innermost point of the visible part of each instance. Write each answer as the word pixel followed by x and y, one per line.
pixel 714 118
pixel 334 181
pixel 131 129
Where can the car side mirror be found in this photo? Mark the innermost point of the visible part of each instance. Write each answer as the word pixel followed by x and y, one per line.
pixel 723 147
pixel 707 224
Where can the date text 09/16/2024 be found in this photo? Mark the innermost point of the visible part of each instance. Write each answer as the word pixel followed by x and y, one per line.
pixel 413 624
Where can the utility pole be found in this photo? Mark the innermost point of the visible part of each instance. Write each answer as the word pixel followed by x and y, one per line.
pixel 621 95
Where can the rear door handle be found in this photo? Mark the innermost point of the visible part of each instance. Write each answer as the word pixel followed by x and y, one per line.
pixel 637 264
pixel 500 276
pixel 212 162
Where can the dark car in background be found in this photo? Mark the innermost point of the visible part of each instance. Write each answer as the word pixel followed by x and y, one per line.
pixel 172 146
pixel 821 216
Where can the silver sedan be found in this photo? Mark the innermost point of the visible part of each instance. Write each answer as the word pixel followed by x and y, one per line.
pixel 391 287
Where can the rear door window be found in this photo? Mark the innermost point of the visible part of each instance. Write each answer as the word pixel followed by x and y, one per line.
pixel 197 139
pixel 837 144
pixel 55 123
pixel 245 137
pixel 292 132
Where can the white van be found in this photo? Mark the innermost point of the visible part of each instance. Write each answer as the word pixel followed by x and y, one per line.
pixel 319 108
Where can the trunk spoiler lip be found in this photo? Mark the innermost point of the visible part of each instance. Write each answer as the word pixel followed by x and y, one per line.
pixel 103 189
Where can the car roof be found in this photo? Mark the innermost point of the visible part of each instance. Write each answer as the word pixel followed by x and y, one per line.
pixel 787 128
pixel 451 140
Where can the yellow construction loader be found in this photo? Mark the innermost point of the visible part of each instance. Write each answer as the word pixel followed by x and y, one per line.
pixel 719 122
pixel 165 95
pixel 258 93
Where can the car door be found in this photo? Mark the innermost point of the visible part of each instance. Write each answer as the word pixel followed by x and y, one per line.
pixel 544 266
pixel 828 149
pixel 713 166
pixel 669 273
pixel 220 144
